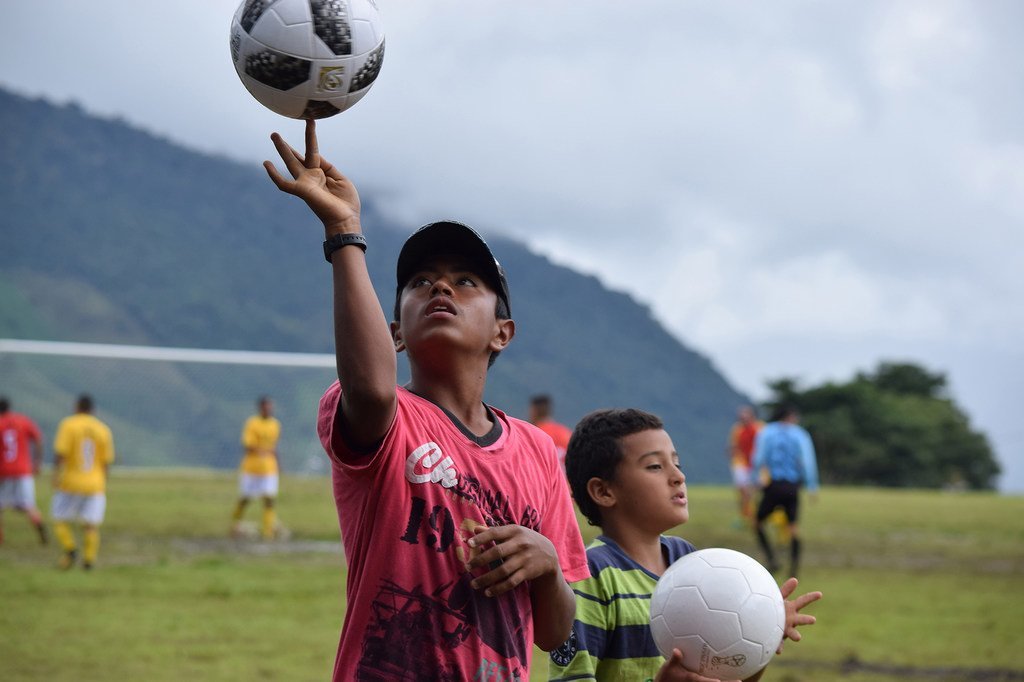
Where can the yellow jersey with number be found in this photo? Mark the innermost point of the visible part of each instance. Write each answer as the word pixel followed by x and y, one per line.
pixel 259 438
pixel 85 447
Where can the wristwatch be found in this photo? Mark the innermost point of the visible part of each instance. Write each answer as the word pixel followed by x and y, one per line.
pixel 337 241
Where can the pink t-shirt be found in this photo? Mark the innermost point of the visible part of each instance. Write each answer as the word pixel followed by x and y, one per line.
pixel 406 512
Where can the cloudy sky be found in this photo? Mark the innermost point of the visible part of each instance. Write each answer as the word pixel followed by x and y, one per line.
pixel 796 188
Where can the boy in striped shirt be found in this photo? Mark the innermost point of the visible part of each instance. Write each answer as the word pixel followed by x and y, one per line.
pixel 624 474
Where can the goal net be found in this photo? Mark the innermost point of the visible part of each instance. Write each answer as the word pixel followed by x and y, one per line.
pixel 171 407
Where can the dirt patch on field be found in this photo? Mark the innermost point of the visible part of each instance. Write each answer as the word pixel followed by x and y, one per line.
pixel 195 546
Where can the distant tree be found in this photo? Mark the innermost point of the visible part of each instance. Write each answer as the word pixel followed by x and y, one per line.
pixel 908 379
pixel 894 427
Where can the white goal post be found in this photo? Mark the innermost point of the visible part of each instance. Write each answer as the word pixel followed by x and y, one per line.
pixel 171 406
pixel 127 352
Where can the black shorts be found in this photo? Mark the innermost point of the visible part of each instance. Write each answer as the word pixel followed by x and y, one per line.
pixel 785 494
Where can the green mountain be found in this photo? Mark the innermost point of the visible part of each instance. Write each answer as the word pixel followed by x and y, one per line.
pixel 114 235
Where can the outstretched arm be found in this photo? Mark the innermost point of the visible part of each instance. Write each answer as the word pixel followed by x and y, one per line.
pixel 364 351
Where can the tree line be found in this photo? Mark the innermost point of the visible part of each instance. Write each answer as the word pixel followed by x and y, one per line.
pixel 894 427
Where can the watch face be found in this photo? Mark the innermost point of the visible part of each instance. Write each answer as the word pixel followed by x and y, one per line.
pixel 564 654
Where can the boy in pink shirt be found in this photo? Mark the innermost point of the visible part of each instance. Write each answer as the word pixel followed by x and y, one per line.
pixel 457 522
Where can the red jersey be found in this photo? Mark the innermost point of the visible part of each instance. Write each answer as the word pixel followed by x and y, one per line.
pixel 16 433
pixel 406 512
pixel 742 439
pixel 559 433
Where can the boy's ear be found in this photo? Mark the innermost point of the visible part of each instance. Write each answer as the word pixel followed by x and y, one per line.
pixel 600 492
pixel 396 337
pixel 506 329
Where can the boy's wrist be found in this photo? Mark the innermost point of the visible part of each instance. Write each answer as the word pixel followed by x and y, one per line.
pixel 346 226
pixel 551 579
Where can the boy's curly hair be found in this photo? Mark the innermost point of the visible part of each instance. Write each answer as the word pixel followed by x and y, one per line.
pixel 594 451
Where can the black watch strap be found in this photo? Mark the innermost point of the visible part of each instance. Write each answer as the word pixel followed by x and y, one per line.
pixel 335 242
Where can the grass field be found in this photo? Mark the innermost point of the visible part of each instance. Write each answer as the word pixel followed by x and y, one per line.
pixel 918 586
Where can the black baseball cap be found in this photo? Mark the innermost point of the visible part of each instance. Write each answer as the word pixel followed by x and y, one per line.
pixel 454 238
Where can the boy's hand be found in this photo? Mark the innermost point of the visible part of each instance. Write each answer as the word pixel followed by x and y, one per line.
pixel 516 553
pixel 793 608
pixel 672 670
pixel 330 195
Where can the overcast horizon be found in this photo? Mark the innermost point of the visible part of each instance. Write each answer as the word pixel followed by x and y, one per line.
pixel 796 189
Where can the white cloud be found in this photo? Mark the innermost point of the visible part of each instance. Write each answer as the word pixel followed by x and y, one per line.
pixel 919 41
pixel 995 174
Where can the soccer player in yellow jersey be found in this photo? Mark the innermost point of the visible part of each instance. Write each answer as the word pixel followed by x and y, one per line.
pixel 259 470
pixel 83 452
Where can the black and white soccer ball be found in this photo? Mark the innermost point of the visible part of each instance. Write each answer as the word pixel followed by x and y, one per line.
pixel 307 58
pixel 722 610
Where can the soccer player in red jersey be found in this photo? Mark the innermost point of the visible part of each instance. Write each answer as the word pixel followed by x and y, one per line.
pixel 541 416
pixel 741 452
pixel 21 453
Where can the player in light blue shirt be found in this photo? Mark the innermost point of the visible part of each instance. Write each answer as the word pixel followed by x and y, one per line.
pixel 784 449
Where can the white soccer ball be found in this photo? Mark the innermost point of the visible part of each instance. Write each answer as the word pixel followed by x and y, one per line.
pixel 307 58
pixel 722 610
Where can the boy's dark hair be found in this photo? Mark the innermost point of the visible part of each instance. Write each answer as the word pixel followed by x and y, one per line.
pixel 5 404
pixel 541 400
pixel 595 452
pixel 84 403
pixel 784 411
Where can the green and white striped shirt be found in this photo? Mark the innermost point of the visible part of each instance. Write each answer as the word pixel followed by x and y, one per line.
pixel 611 637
